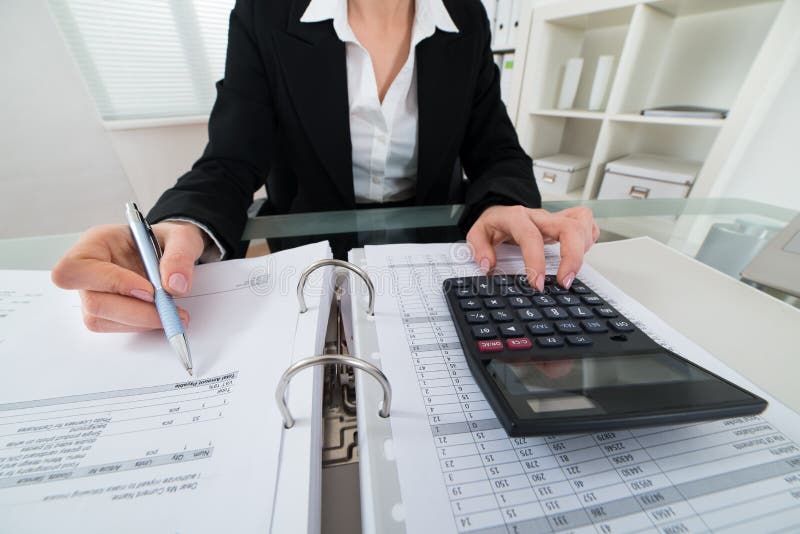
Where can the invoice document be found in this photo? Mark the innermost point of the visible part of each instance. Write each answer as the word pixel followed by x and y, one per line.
pixel 108 432
pixel 460 472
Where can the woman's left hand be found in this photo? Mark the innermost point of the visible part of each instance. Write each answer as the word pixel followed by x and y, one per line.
pixel 529 228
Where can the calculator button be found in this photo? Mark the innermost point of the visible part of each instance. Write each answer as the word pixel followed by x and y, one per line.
pixel 540 329
pixel 511 330
pixel 484 332
pixel 592 300
pixel 605 311
pixel 549 341
pixel 485 288
pixel 567 300
pixel 579 340
pixel 554 313
pixel 501 316
pixel 519 302
pixel 476 317
pixel 621 325
pixel 502 279
pixel 465 292
pixel 529 314
pixel 580 289
pixel 544 300
pixel 493 303
pixel 594 327
pixel 580 312
pixel 518 343
pixel 492 345
pixel 568 327
pixel 460 282
pixel 528 291
pixel 469 304
pixel 555 290
pixel 511 291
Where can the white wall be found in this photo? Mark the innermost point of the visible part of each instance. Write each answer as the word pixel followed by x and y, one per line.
pixel 765 165
pixel 60 170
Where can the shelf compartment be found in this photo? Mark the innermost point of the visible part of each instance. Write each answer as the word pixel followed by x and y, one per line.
pixel 587 36
pixel 698 57
pixel 553 135
pixel 624 138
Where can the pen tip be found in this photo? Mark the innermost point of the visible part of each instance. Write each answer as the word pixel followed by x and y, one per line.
pixel 190 371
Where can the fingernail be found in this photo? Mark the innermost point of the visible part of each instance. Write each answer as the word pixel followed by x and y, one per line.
pixel 177 282
pixel 567 282
pixel 142 295
pixel 484 265
pixel 540 283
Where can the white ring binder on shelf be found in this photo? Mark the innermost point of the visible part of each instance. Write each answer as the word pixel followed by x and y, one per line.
pixel 332 359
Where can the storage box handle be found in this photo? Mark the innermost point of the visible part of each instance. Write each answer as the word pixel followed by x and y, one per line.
pixel 638 192
pixel 549 177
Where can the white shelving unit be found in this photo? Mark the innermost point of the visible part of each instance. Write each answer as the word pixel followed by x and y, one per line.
pixel 716 53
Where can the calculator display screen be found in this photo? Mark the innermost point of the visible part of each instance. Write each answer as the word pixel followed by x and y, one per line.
pixel 607 384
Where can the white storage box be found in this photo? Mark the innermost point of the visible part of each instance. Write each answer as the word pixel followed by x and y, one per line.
pixel 648 176
pixel 560 173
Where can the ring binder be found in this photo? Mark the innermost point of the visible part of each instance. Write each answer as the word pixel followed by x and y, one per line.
pixel 377 374
pixel 301 284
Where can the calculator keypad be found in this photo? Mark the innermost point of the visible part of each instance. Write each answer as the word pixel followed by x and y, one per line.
pixel 504 313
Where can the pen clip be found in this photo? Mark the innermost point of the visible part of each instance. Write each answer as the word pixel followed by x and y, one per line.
pixel 153 240
pixel 149 229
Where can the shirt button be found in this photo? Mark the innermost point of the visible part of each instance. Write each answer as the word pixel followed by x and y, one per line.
pixel 376 180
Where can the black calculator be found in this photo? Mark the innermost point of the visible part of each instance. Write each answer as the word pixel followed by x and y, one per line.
pixel 564 361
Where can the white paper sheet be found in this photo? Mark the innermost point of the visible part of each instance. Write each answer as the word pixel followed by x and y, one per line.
pixel 460 472
pixel 107 433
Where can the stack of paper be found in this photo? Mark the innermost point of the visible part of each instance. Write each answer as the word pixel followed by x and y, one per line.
pixel 108 433
pixel 459 471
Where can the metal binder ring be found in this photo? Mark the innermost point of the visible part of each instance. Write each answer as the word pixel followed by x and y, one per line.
pixel 301 284
pixel 377 374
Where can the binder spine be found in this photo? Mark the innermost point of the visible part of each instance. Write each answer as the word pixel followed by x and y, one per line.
pixel 332 359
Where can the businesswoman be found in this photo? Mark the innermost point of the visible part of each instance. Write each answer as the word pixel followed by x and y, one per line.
pixel 336 104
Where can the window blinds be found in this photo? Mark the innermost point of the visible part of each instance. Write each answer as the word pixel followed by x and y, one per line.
pixel 147 58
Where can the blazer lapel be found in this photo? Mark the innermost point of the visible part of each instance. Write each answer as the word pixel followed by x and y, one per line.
pixel 315 66
pixel 442 74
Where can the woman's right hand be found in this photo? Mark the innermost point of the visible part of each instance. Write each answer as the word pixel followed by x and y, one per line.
pixel 105 267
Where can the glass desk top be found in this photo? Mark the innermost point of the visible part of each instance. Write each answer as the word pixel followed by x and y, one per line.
pixel 724 233
pixel 721 232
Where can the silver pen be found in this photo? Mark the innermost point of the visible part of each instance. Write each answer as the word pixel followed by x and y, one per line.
pixel 150 251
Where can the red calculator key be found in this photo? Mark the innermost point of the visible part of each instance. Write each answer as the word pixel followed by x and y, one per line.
pixel 490 345
pixel 518 343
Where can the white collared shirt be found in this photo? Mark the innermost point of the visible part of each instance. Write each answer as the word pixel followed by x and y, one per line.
pixel 383 134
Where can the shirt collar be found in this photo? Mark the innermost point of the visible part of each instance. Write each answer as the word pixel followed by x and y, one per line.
pixel 429 15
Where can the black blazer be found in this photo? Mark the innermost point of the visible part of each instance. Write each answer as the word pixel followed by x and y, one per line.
pixel 282 117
